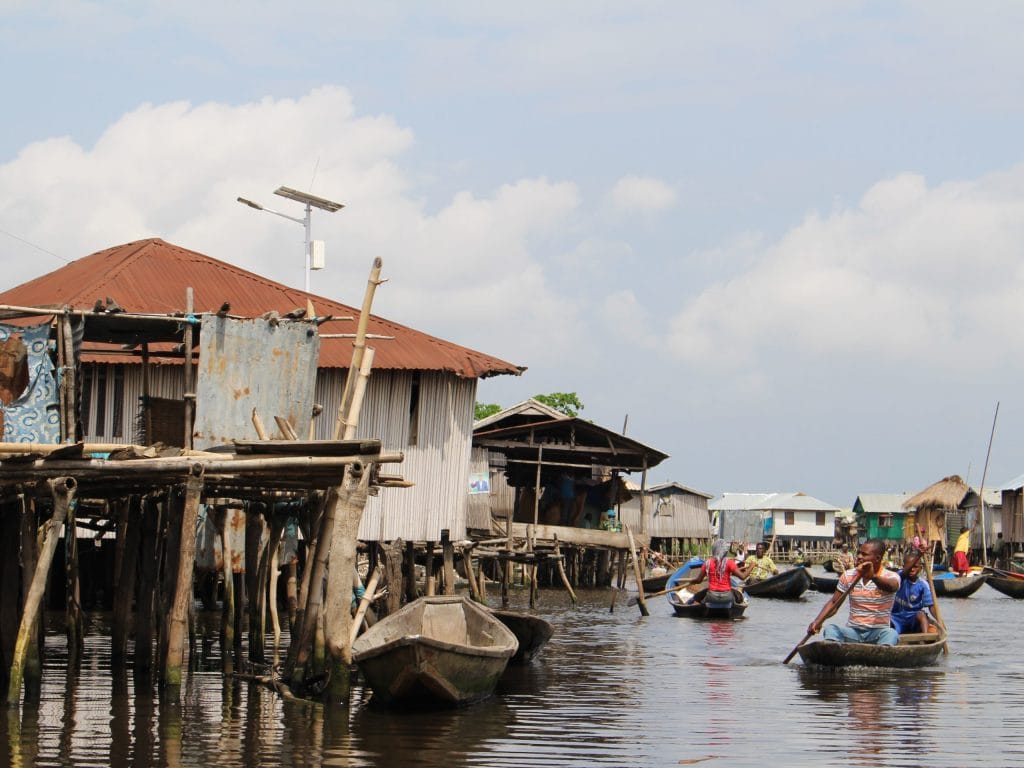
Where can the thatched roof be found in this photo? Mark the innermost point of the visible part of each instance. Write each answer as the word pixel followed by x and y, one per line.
pixel 945 494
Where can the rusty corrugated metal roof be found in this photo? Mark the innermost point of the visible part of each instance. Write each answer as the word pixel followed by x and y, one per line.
pixel 150 276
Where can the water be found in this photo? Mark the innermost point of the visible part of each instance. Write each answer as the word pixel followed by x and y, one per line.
pixel 611 689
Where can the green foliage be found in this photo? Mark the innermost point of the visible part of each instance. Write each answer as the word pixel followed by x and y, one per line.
pixel 564 402
pixel 483 410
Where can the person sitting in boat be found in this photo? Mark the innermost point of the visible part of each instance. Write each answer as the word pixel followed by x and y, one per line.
pixel 912 598
pixel 718 569
pixel 844 560
pixel 872 589
pixel 961 564
pixel 763 566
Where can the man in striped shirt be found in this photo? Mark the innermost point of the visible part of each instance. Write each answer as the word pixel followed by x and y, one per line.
pixel 872 589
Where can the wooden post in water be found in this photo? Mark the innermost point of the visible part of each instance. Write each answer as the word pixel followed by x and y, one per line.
pixel 637 574
pixel 393 575
pixel 73 625
pixel 63 490
pixel 561 572
pixel 254 529
pixel 10 545
pixel 411 590
pixel 177 620
pixel 149 554
pixel 467 564
pixel 124 592
pixel 227 608
pixel 428 575
pixel 448 556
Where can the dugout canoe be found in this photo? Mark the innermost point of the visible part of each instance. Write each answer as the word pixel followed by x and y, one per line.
pixel 443 650
pixel 913 650
pixel 1008 585
pixel 958 586
pixel 787 585
pixel 826 584
pixel 696 607
pixel 532 633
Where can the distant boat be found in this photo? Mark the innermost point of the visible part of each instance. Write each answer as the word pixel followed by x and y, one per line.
pixel 948 585
pixel 531 631
pixel 913 650
pixel 826 584
pixel 787 585
pixel 697 606
pixel 436 650
pixel 685 571
pixel 1008 585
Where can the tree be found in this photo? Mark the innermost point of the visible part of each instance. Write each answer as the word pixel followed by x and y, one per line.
pixel 564 402
pixel 483 410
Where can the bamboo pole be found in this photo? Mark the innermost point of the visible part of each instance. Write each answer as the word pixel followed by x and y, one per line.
pixel 150 559
pixel 275 620
pixel 352 418
pixel 364 604
pixel 561 573
pixel 467 563
pixel 177 621
pixel 62 490
pixel 981 491
pixel 637 574
pixel 358 348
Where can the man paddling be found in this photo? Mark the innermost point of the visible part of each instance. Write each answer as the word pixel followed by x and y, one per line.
pixel 872 588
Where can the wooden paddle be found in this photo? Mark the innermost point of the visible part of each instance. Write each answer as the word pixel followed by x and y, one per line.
pixel 634 600
pixel 809 635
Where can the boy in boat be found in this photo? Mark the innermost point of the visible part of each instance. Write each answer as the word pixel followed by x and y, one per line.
pixel 872 589
pixel 763 566
pixel 912 598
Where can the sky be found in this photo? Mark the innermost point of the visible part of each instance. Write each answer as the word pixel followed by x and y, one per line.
pixel 779 241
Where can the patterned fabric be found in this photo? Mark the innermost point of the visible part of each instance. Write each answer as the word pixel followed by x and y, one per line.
pixel 763 567
pixel 869 606
pixel 34 417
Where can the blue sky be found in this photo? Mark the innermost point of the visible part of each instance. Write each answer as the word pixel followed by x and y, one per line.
pixel 784 238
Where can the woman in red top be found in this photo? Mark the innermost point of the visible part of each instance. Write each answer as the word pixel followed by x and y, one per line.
pixel 718 569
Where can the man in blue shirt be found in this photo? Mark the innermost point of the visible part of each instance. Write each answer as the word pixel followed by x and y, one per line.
pixel 912 598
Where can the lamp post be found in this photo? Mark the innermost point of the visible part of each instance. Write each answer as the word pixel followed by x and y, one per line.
pixel 310 201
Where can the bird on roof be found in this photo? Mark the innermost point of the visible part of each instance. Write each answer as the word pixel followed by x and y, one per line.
pixel 98 306
pixel 113 306
pixel 224 309
pixel 296 314
pixel 271 317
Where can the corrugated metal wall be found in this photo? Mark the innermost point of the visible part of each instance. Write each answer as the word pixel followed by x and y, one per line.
pixel 438 464
pixel 669 516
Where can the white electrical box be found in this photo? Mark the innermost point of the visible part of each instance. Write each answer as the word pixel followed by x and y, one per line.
pixel 317 253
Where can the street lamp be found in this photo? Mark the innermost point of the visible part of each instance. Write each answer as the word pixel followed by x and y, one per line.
pixel 310 201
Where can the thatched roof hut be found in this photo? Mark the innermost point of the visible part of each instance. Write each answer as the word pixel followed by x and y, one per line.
pixel 933 502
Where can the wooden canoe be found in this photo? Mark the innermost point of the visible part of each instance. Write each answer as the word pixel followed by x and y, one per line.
pixel 826 584
pixel 655 583
pixel 696 608
pixel 436 650
pixel 914 650
pixel 787 585
pixel 531 631
pixel 958 586
pixel 1008 585
pixel 685 571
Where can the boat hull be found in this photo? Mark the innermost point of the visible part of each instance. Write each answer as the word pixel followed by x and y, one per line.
pixel 1008 585
pixel 435 650
pixel 787 585
pixel 914 650
pixel 532 633
pixel 698 609
pixel 959 586
pixel 826 584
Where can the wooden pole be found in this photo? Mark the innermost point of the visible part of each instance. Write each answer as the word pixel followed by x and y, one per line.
pixel 393 575
pixel 62 490
pixel 981 491
pixel 637 574
pixel 125 590
pixel 177 621
pixel 227 615
pixel 448 556
pixel 189 395
pixel 561 572
pixel 358 348
pixel 411 590
pixel 467 564
pixel 74 626
pixel 371 588
pixel 150 558
pixel 428 575
pixel 147 406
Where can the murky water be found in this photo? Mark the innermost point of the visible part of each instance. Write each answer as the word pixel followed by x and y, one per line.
pixel 610 689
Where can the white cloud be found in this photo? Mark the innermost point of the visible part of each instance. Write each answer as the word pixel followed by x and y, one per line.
pixel 913 275
pixel 174 170
pixel 632 194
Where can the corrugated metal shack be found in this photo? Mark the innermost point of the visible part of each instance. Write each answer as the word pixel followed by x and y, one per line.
pixel 677 518
pixel 86 390
pixel 557 481
pixel 798 526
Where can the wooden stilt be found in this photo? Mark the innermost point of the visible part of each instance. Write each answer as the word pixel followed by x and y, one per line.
pixel 124 592
pixel 364 604
pixel 411 590
pixel 467 564
pixel 149 554
pixel 393 575
pixel 177 621
pixel 428 577
pixel 637 574
pixel 561 573
pixel 272 597
pixel 448 555
pixel 63 490
pixel 10 557
pixel 264 598
pixel 254 589
pixel 292 592
pixel 31 545
pixel 73 624
pixel 227 615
